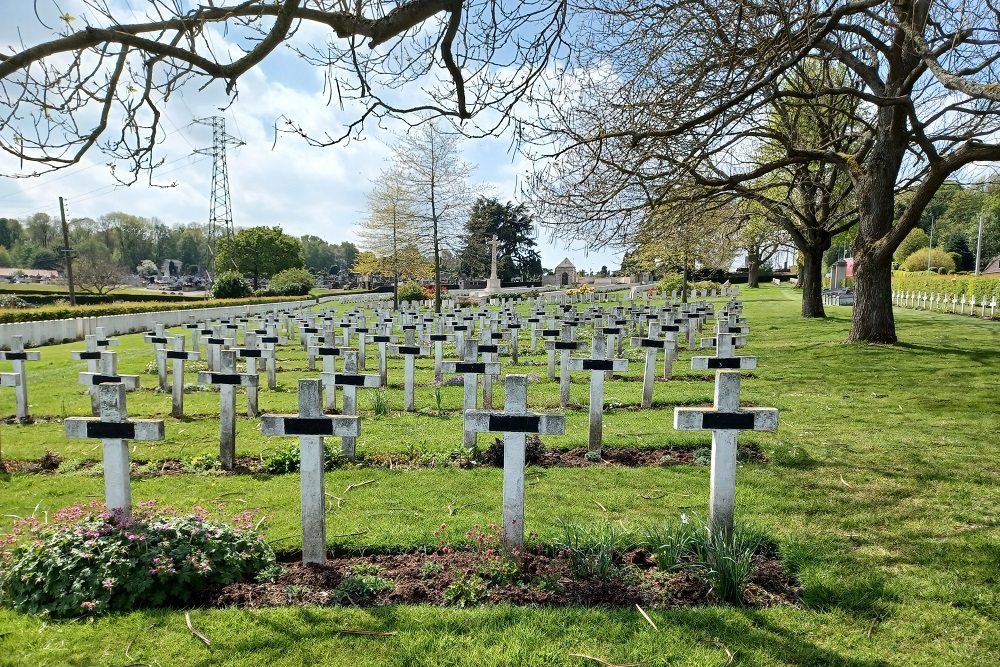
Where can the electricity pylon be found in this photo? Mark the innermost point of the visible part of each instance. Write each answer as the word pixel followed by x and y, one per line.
pixel 220 216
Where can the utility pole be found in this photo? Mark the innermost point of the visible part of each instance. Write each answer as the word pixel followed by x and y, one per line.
pixel 979 243
pixel 68 253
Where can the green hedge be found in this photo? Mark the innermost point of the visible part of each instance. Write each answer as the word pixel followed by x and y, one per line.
pixel 43 298
pixel 969 285
pixel 67 312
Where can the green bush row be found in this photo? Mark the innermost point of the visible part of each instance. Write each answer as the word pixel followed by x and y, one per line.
pixel 969 285
pixel 98 310
pixel 44 298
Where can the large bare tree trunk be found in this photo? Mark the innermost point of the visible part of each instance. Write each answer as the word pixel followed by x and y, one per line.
pixel 872 321
pixel 753 271
pixel 811 282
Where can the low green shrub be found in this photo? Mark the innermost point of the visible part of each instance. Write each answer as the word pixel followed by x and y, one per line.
pixel 288 459
pixel 13 302
pixel 919 261
pixel 291 282
pixel 411 291
pixel 725 563
pixel 230 285
pixel 596 551
pixel 90 561
pixel 361 588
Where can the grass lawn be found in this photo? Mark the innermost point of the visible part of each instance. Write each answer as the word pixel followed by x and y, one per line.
pixel 882 491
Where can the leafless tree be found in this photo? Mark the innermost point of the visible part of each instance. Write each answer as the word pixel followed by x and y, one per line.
pixel 681 89
pixel 100 82
pixel 389 228
pixel 440 196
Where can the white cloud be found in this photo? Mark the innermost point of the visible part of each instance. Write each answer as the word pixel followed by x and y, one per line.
pixel 305 190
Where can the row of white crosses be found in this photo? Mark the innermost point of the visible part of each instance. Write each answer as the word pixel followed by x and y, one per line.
pixel 953 303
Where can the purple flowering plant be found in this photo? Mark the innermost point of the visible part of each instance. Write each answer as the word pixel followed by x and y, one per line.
pixel 88 560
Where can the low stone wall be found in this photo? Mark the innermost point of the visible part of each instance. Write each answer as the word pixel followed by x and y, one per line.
pixel 48 332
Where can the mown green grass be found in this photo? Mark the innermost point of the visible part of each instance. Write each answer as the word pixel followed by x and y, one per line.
pixel 882 491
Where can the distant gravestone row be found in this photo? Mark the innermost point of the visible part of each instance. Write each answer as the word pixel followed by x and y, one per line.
pixel 947 303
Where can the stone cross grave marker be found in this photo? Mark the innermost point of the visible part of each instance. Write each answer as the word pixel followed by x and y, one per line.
pixel 349 381
pixel 92 355
pixel 514 329
pixel 490 350
pixel 471 370
pixel 251 353
pixel 363 332
pixel 724 357
pixel 598 364
pixel 439 339
pixel 725 344
pixel 515 422
pixel 216 345
pixel 669 332
pixel 459 330
pixel 564 346
pixel 550 353
pixel 159 340
pixel 179 357
pixel 409 353
pixel 18 356
pixel 652 346
pixel 725 420
pixel 311 425
pixel 227 379
pixel 108 374
pixel 115 430
pixel 383 340
pixel 329 356
pixel 270 340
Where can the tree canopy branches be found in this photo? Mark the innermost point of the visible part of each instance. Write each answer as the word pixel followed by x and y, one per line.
pixel 68 95
pixel 668 94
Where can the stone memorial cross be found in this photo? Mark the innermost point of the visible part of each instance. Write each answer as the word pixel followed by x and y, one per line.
pixel 311 425
pixel 115 430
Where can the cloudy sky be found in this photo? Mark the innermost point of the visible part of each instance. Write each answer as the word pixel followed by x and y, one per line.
pixel 306 190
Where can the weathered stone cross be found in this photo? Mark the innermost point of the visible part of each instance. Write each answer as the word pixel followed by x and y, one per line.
pixel 471 370
pixel 252 353
pixel 409 353
pixel 227 380
pixel 159 340
pixel 114 430
pixel 18 356
pixel 514 422
pixel 564 346
pixel 179 356
pixel 725 420
pixel 311 425
pixel 349 381
pixel 598 364
pixel 92 355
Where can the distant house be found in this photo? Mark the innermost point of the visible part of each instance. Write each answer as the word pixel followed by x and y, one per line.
pixel 565 274
pixel 11 273
pixel 993 268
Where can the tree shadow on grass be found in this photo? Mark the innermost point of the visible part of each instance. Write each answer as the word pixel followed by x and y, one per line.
pixel 761 634
pixel 741 632
pixel 981 356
